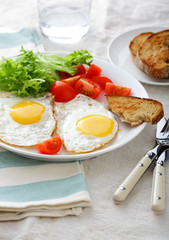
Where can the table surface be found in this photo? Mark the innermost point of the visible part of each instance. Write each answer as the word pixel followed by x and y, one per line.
pixel 134 218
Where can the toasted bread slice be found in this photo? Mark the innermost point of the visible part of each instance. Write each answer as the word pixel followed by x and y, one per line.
pixel 135 110
pixel 137 42
pixel 153 55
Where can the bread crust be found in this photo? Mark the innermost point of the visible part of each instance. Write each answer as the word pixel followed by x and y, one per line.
pixel 135 110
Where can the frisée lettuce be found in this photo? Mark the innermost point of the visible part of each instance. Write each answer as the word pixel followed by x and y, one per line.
pixel 30 74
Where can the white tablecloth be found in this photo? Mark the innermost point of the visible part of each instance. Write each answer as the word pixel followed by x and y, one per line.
pixel 104 220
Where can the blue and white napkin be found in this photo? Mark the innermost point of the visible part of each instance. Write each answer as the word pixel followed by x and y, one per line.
pixel 36 188
pixel 31 187
pixel 11 42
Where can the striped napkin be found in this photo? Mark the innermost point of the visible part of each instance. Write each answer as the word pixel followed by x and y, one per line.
pixel 31 187
pixel 11 42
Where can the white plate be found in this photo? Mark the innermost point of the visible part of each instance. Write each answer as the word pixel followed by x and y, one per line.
pixel 119 54
pixel 124 136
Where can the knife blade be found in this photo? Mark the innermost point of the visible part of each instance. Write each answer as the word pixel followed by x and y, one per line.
pixel 128 184
pixel 158 185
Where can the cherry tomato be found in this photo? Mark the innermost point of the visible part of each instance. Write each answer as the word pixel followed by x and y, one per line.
pixel 112 88
pixel 80 69
pixel 87 87
pixel 64 75
pixel 50 146
pixel 101 80
pixel 71 80
pixel 62 91
pixel 93 70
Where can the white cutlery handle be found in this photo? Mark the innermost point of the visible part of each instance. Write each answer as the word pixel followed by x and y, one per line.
pixel 158 189
pixel 125 188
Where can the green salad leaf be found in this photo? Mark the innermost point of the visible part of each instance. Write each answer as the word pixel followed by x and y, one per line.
pixel 30 74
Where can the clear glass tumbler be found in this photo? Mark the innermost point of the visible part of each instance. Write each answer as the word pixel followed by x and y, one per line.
pixel 64 21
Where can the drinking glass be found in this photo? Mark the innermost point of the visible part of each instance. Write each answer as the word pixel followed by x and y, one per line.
pixel 64 21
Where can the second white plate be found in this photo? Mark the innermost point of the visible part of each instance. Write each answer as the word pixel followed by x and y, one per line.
pixel 119 54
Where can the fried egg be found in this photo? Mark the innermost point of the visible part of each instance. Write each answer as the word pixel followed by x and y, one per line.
pixel 26 121
pixel 84 124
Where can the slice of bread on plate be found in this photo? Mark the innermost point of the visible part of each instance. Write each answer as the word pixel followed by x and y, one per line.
pixel 137 42
pixel 152 54
pixel 135 110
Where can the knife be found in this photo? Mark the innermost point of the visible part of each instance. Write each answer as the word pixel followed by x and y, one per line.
pixel 161 144
pixel 158 186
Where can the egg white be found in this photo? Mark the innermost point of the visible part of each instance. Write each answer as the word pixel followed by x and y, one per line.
pixel 67 116
pixel 17 134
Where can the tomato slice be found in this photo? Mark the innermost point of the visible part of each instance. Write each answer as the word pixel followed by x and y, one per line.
pixel 64 75
pixel 115 89
pixel 62 91
pixel 92 71
pixel 101 80
pixel 50 146
pixel 80 69
pixel 87 87
pixel 71 80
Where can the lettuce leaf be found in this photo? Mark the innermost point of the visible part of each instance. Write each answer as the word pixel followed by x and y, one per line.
pixel 31 74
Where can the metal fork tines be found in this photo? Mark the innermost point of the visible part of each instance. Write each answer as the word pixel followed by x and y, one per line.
pixel 164 136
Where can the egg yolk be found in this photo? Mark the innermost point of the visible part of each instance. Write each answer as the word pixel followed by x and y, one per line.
pixel 95 125
pixel 27 112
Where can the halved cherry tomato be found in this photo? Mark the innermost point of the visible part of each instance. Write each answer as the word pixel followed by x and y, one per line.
pixel 62 91
pixel 101 80
pixel 87 87
pixel 92 71
pixel 50 146
pixel 115 89
pixel 71 80
pixel 64 74
pixel 80 69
